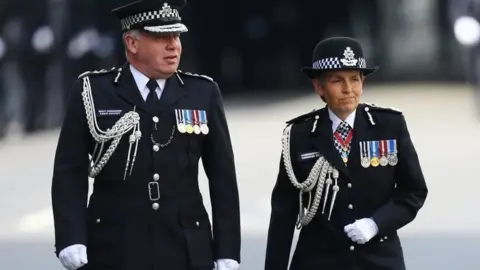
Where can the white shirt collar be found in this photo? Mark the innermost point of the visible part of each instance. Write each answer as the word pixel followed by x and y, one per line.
pixel 141 80
pixel 336 121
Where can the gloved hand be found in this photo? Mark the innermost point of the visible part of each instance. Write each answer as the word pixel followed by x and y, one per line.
pixel 227 264
pixel 73 257
pixel 361 231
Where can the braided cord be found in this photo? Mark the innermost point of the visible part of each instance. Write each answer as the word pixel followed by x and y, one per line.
pixel 129 121
pixel 316 177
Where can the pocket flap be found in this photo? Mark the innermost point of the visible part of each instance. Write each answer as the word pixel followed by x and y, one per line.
pixel 195 221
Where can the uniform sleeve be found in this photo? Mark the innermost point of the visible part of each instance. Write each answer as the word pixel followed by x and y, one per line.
pixel 284 203
pixel 69 189
pixel 411 191
pixel 219 164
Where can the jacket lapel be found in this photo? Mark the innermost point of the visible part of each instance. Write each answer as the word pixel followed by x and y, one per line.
pixel 128 90
pixel 322 139
pixel 174 91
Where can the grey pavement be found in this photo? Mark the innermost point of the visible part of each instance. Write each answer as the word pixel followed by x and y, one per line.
pixel 443 126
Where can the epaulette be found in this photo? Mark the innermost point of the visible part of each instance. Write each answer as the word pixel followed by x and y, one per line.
pixel 304 117
pixel 96 72
pixel 384 109
pixel 195 75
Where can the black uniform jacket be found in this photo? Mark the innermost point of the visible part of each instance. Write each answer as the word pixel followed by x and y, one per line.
pixel 121 227
pixel 391 195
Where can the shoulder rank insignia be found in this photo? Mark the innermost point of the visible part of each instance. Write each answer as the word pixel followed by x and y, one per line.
pixel 195 75
pixel 96 72
pixel 304 117
pixel 376 107
pixel 381 108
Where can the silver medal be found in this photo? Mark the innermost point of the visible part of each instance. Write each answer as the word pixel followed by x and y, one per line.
pixel 181 127
pixel 365 162
pixel 196 129
pixel 204 129
pixel 203 122
pixel 364 153
pixel 383 158
pixel 392 159
pixel 392 154
pixel 179 118
pixel 383 161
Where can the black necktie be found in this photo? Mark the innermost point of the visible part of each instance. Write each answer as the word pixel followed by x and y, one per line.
pixel 152 98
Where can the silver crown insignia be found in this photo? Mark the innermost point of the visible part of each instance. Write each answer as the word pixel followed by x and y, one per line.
pixel 349 59
pixel 167 11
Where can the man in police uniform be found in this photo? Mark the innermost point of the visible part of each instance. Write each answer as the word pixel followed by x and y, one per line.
pixel 363 177
pixel 146 125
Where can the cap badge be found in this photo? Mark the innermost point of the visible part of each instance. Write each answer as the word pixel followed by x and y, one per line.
pixel 167 11
pixel 349 58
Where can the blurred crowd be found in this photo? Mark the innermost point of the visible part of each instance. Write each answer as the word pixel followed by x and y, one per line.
pixel 247 45
pixel 44 45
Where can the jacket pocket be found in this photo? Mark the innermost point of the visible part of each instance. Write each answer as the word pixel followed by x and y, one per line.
pixel 104 247
pixel 199 241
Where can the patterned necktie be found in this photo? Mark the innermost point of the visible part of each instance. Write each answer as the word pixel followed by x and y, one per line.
pixel 152 98
pixel 342 139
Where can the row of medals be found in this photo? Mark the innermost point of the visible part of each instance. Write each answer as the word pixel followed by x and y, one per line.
pixel 199 125
pixel 197 129
pixel 385 159
pixel 389 159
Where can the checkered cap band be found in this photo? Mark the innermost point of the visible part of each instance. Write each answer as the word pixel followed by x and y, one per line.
pixel 335 63
pixel 129 21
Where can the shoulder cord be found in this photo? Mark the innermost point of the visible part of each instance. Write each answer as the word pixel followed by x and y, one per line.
pixel 317 177
pixel 129 121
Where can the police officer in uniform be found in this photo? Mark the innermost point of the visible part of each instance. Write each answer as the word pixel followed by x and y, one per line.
pixel 357 170
pixel 145 125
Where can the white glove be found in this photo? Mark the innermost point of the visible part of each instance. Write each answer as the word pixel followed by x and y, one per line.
pixel 361 231
pixel 73 257
pixel 227 264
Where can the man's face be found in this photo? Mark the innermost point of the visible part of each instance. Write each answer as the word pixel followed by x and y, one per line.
pixel 340 89
pixel 158 54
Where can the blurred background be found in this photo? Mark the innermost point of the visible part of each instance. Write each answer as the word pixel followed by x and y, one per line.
pixel 428 56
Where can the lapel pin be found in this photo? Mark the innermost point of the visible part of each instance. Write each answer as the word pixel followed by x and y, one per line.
pixel 367 110
pixel 119 73
pixel 315 123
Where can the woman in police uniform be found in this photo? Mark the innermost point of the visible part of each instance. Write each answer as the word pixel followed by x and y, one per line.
pixel 356 167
